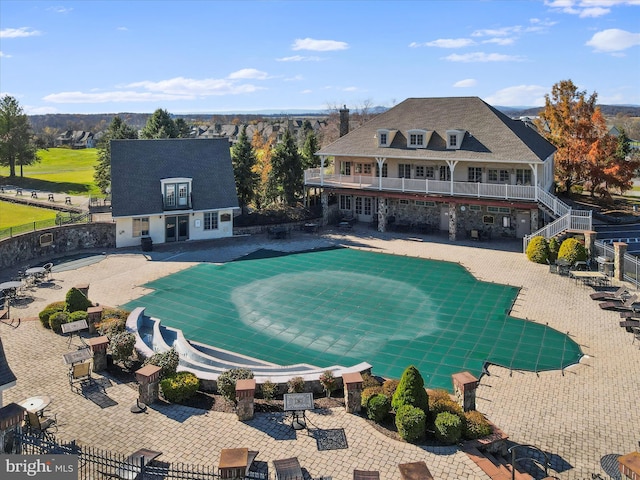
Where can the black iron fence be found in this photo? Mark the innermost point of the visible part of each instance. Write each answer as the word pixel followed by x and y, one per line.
pixel 61 219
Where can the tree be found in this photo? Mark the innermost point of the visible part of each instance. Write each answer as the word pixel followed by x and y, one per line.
pixel 310 147
pixel 17 144
pixel 567 123
pixel 244 161
pixel 411 391
pixel 159 125
pixel 262 168
pixel 182 128
pixel 118 130
pixel 286 177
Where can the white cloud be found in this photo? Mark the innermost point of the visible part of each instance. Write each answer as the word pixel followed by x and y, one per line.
pixel 295 78
pixel 594 12
pixel 588 8
pixel 318 45
pixel 519 95
pixel 500 41
pixel 18 32
pixel 307 91
pixel 482 57
pixel 60 9
pixel 4 55
pixel 246 73
pixel 122 29
pixel 613 40
pixel 497 32
pixel 467 82
pixel 107 97
pixel 445 43
pixel 298 58
pixel 350 89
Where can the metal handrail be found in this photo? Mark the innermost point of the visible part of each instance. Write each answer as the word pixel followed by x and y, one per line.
pixel 512 450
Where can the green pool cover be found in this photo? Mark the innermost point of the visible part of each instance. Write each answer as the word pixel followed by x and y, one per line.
pixel 345 306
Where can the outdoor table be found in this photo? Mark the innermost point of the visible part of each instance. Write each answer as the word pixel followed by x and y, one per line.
pixel 36 404
pixel 311 227
pixel 35 272
pixel 585 277
pixel 77 356
pixel 133 463
pixel 415 471
pixel 235 462
pixel 10 285
pixel 563 266
pixel 629 465
pixel 297 404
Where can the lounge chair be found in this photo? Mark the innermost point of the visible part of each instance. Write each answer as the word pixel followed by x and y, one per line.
pixel 79 375
pixel 288 469
pixel 366 475
pixel 617 295
pixel 619 304
pixel 40 424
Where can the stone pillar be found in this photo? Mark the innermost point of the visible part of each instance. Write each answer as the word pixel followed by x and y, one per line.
pixel 453 221
pixel 84 288
pixel 589 243
pixel 352 391
pixel 382 215
pixel 94 315
pixel 619 249
pixel 148 378
pixel 324 201
pixel 535 216
pixel 11 418
pixel 464 387
pixel 98 346
pixel 245 392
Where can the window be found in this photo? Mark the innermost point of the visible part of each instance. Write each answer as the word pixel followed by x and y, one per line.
pixel 367 206
pixel 140 226
pixel 358 205
pixel 210 220
pixel 383 137
pixel 501 176
pixel 523 177
pixel 419 171
pixel 366 169
pixel 403 201
pixel 475 174
pixel 453 140
pixel 357 168
pixel 345 202
pixel 498 210
pixel 384 170
pixel 176 193
pixel 346 168
pixel 445 173
pixel 404 170
pixel 475 208
pixel 424 203
pixel 417 138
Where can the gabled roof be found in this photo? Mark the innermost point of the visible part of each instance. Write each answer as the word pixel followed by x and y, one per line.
pixel 7 378
pixel 137 166
pixel 490 134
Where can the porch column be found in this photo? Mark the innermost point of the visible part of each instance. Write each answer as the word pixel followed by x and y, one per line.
pixel 619 249
pixel 452 166
pixel 380 161
pixel 323 159
pixel 382 214
pixel 453 223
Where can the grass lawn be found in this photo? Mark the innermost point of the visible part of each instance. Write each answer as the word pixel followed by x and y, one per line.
pixel 13 214
pixel 61 170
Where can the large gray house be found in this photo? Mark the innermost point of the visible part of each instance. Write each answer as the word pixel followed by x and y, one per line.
pixel 172 190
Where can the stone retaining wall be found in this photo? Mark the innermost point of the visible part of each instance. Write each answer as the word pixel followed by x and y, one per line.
pixel 54 242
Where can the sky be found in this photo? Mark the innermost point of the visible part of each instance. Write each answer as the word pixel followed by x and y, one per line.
pixel 207 56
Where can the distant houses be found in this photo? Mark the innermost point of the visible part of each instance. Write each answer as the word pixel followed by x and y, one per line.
pixel 76 139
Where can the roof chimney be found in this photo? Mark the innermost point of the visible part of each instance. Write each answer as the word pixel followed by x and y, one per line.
pixel 344 121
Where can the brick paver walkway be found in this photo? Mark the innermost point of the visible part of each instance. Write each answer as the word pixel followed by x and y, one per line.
pixel 589 412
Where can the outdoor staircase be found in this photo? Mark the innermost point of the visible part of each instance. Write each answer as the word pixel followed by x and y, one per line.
pixel 495 466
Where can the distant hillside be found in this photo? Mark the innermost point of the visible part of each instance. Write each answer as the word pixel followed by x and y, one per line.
pixel 607 110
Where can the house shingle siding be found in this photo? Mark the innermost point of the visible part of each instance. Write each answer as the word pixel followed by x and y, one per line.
pixel 490 134
pixel 137 166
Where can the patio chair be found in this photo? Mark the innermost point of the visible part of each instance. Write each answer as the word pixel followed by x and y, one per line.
pixel 620 304
pixel 617 295
pixel 288 469
pixel 47 270
pixel 79 375
pixel 40 424
pixel 553 268
pixel 366 475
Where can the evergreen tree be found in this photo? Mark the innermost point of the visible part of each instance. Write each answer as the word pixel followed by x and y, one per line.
pixel 244 161
pixel 159 125
pixel 182 127
pixel 286 178
pixel 310 147
pixel 17 144
pixel 117 130
pixel 411 391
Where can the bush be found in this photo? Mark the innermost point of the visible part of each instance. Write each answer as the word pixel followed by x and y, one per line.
pixel 167 361
pixel 389 387
pixel 110 326
pixel 378 408
pixel 56 320
pixel 475 425
pixel 554 247
pixel 369 380
pixel 179 387
pixel 411 391
pixel 448 428
pixel 572 251
pixel 295 385
pixel 115 313
pixel 538 250
pixel 77 316
pixel 48 311
pixel 76 300
pixel 328 382
pixel 410 422
pixel 122 345
pixel 269 390
pixel 227 382
pixel 440 401
pixel 367 393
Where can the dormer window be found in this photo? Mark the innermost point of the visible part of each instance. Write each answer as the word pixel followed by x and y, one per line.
pixel 176 193
pixel 383 138
pixel 454 139
pixel 417 139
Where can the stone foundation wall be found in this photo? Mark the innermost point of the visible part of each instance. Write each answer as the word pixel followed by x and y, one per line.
pixel 54 242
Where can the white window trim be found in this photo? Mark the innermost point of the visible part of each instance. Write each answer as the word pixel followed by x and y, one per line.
pixel 422 133
pixel 459 135
pixel 388 137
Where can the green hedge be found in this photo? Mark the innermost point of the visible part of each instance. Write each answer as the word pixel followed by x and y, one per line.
pixel 538 250
pixel 572 251
pixel 179 387
pixel 49 310
pixel 476 425
pixel 448 428
pixel 378 408
pixel 411 423
pixel 56 320
pixel 76 300
pixel 410 391
pixel 227 382
pixel 167 361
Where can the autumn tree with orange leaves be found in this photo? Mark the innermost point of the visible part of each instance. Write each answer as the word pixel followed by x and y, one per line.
pixel 262 149
pixel 586 153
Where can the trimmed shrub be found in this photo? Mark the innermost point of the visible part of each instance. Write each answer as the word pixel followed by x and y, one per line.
pixel 48 311
pixel 179 387
pixel 75 300
pixel 440 401
pixel 538 250
pixel 475 425
pixel 448 428
pixel 572 251
pixel 269 390
pixel 56 320
pixel 77 316
pixel 389 387
pixel 554 247
pixel 115 313
pixel 367 393
pixel 410 422
pixel 328 382
pixel 295 385
pixel 411 391
pixel 369 380
pixel 227 382
pixel 167 361
pixel 110 326
pixel 122 345
pixel 378 408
